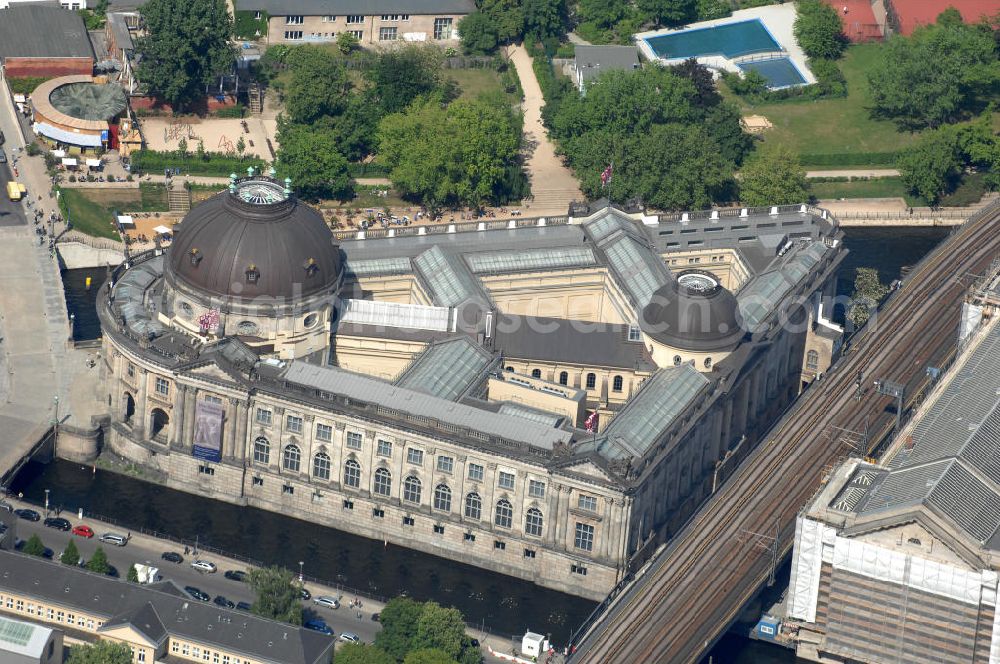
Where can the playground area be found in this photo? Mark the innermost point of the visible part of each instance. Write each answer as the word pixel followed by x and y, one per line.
pixel 217 134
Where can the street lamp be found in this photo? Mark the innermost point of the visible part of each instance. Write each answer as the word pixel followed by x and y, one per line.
pixel 301 563
pixel 46 501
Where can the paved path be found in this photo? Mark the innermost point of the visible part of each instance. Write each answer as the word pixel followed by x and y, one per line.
pixel 855 173
pixel 576 39
pixel 553 185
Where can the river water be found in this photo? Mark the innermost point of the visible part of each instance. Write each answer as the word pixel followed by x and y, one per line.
pixel 503 604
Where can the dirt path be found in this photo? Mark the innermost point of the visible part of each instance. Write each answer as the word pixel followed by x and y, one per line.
pixel 553 185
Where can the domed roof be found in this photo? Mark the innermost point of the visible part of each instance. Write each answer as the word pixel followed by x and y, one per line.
pixel 254 240
pixel 693 313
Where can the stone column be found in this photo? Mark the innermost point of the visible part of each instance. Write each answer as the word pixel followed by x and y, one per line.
pixel 190 405
pixel 230 430
pixel 606 538
pixel 180 413
pixel 337 457
pixel 552 513
pixel 240 453
pixel 141 406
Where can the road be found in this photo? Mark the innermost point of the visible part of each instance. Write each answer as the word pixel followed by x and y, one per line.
pixel 141 549
pixel 694 589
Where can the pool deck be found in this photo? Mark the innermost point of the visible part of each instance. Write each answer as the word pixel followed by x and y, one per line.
pixel 779 21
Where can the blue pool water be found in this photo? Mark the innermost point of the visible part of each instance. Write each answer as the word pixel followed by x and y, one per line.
pixel 731 40
pixel 779 72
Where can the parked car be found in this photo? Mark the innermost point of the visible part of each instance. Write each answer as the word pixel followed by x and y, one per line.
pixel 3 157
pixel 318 625
pixel 350 637
pixel 58 523
pixel 197 593
pixel 305 594
pixel 27 515
pixel 1 138
pixel 172 557
pixel 243 606
pixel 375 617
pixel 204 566
pixel 327 601
pixel 19 546
pixel 236 575
pixel 83 531
pixel 112 571
pixel 114 538
pixel 223 602
pixel 6 507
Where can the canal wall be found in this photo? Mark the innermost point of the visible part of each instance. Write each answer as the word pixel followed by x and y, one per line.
pixel 77 250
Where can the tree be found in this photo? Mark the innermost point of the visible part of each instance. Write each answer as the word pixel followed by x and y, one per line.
pixel 507 17
pixel 818 30
pixel 70 555
pixel 868 293
pixel 347 43
pixel 428 656
pixel 188 44
pixel 773 176
pixel 932 166
pixel 450 155
pixel 133 574
pixel 706 94
pixel 545 19
pixel 479 35
pixel 309 156
pixel 241 146
pixel 400 75
pixel 354 128
pixel 667 12
pixel 399 619
pixel 940 74
pixel 712 9
pixel 441 629
pixel 99 562
pixel 361 653
pixel 318 84
pixel 34 547
pixel 277 597
pixel 101 652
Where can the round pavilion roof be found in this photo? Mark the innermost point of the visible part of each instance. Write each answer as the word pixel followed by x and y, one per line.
pixel 693 313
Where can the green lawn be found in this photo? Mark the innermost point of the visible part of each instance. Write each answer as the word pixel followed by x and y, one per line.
pixel 834 126
pixel 475 82
pixel 880 188
pixel 87 216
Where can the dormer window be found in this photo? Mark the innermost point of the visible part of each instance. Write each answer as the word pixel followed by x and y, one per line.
pixel 253 274
pixel 195 257
pixel 310 267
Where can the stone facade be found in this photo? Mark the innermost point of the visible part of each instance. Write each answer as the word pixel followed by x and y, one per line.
pixel 371 30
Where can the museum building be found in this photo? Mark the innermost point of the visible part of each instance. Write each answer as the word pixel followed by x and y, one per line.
pixel 546 398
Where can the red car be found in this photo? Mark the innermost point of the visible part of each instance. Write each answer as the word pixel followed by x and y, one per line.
pixel 83 531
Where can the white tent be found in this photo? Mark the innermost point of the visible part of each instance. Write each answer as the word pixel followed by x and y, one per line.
pixel 69 162
pixel 125 221
pixel 94 163
pixel 161 230
pixel 58 154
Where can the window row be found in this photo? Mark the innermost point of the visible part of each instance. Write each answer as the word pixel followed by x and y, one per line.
pixel 589 381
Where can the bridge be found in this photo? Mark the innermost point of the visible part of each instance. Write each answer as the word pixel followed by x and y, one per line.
pixel 683 600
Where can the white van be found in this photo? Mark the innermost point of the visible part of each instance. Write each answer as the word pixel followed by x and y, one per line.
pixel 114 538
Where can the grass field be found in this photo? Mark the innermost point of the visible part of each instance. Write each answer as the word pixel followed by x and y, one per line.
pixel 880 188
pixel 475 82
pixel 834 126
pixel 87 216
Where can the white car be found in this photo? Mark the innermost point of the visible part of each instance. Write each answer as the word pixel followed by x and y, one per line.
pixel 350 637
pixel 327 601
pixel 114 538
pixel 204 566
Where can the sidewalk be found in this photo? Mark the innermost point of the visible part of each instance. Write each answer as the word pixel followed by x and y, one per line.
pixel 855 173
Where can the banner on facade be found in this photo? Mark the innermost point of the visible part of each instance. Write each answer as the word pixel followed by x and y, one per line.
pixel 208 431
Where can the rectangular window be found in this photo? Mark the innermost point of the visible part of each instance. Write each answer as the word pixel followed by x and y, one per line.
pixel 408 521
pixel 354 440
pixel 355 19
pixel 329 19
pixel 293 35
pixel 131 371
pixel 384 448
pixel 529 553
pixel 211 398
pixel 357 34
pixel 469 537
pixel 445 464
pixel 348 504
pixel 378 513
pixel 439 530
pixel 586 502
pixel 500 546
pixel 415 456
pixel 287 489
pixel 162 386
pixel 584 537
pixel 258 481
pixel 387 34
pixel 475 472
pixel 293 20
pixel 442 28
pixel 324 432
pixel 263 417
pixel 536 489
pixel 293 424
pixel 578 569
pixel 505 480
pixel 633 333
pixel 206 470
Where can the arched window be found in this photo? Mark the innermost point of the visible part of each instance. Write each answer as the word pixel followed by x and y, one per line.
pixel 291 459
pixel 321 466
pixel 129 409
pixel 504 515
pixel 616 384
pixel 473 506
pixel 262 451
pixel 677 360
pixel 708 363
pixel 158 422
pixel 591 381
pixel 563 378
pixel 411 490
pixel 442 498
pixel 510 368
pixel 533 522
pixel 812 360
pixel 536 373
pixel 383 482
pixel 352 473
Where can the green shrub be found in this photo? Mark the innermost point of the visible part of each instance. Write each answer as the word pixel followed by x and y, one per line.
pixel 26 85
pixel 369 170
pixel 246 26
pixel 567 50
pixel 152 161
pixel 32 149
pixel 234 111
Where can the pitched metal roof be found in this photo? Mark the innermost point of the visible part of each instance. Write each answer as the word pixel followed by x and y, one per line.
pixel 449 280
pixel 503 262
pixel 591 61
pixel 760 298
pixel 23 638
pixel 364 7
pixel 448 369
pixel 42 30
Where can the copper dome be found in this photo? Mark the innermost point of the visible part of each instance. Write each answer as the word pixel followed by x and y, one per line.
pixel 693 313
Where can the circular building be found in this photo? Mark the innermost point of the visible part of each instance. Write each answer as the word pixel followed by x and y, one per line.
pixel 691 318
pixel 255 263
pixel 74 111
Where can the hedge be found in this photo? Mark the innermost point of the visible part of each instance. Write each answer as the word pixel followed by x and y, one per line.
pixel 220 165
pixel 26 85
pixel 369 170
pixel 886 159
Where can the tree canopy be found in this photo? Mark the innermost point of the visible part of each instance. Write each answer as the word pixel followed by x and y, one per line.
pixel 133 574
pixel 400 75
pixel 318 85
pixel 70 555
pixel 932 166
pixel 868 293
pixel 667 12
pixel 187 46
pixel 99 562
pixel 818 30
pixel 939 74
pixel 277 597
pixel 773 176
pixel 424 633
pixel 34 547
pixel 429 656
pixel 101 652
pixel 362 653
pixel 498 22
pixel 309 156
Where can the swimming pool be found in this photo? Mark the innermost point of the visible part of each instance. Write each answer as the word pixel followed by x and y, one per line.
pixel 730 39
pixel 779 72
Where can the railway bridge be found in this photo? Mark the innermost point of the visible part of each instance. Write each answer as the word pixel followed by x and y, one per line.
pixel 683 600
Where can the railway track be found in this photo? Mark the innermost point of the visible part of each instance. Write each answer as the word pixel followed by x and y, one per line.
pixel 694 589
